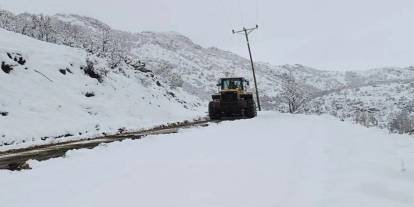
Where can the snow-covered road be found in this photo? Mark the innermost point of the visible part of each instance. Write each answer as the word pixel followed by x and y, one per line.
pixel 273 160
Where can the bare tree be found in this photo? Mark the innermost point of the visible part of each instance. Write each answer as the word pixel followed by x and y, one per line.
pixel 293 94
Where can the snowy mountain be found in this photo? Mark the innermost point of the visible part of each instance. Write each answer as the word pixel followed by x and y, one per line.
pixel 148 75
pixel 173 57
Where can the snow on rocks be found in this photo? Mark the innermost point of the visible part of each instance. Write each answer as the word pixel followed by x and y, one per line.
pixel 273 160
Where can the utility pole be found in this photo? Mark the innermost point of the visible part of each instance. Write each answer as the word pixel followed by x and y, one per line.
pixel 246 33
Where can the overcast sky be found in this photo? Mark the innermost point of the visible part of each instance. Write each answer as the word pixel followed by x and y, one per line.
pixel 325 34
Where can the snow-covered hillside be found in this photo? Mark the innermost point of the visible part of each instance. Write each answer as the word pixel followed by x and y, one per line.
pixel 287 160
pixel 382 105
pixel 182 63
pixel 187 72
pixel 53 92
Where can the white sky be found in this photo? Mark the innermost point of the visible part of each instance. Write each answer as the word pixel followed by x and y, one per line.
pixel 326 34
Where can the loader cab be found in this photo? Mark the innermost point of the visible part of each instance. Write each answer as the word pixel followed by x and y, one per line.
pixel 240 84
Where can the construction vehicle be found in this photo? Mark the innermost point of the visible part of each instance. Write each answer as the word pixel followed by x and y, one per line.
pixel 232 100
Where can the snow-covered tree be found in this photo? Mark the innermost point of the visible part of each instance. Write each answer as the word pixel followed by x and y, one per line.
pixel 402 123
pixel 365 118
pixel 105 39
pixel 7 20
pixel 293 94
pixel 100 39
pixel 42 28
pixel 176 81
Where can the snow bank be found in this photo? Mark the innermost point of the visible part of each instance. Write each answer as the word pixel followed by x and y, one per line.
pixel 46 96
pixel 274 160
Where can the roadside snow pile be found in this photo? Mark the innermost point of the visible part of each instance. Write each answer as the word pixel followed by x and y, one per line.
pixel 273 160
pixel 50 92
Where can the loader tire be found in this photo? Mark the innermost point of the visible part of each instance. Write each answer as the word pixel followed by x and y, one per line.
pixel 250 111
pixel 213 113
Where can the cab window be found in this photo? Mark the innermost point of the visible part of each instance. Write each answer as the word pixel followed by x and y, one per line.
pixel 231 84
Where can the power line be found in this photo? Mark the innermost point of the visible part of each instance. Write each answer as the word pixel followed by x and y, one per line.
pixel 246 33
